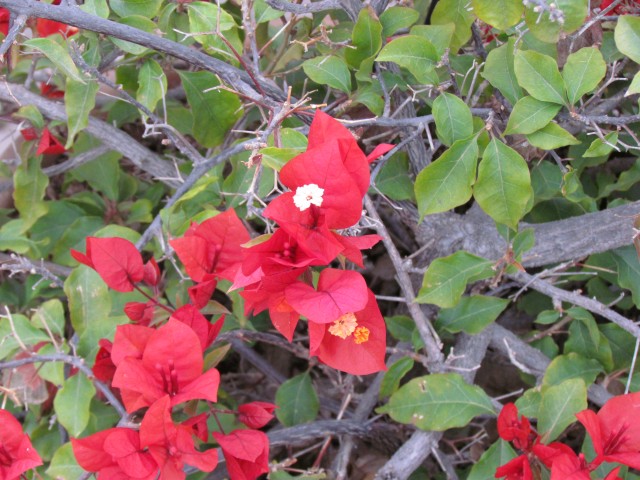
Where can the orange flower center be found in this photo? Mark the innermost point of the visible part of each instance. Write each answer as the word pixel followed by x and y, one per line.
pixel 344 326
pixel 361 335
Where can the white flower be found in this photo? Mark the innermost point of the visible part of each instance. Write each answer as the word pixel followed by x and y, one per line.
pixel 307 195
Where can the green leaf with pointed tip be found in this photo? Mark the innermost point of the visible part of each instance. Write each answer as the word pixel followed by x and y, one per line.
pixel 331 71
pixel 152 84
pixel 438 402
pixel 72 403
pixel 499 70
pixel 586 340
pixel 582 72
pixel 88 297
pixel 57 54
pixel 503 188
pixel 414 53
pixel 627 36
pixel 393 376
pixel 30 184
pixel 530 115
pixel 600 147
pixel 472 314
pixel 571 365
pixel 446 183
pixel 551 136
pixel 501 14
pixel 79 100
pixel 439 35
pixel 456 12
pixel 63 465
pixel 397 18
pixel 543 28
pixel 297 401
pixel 559 405
pixel 634 87
pixel 539 75
pixel 453 118
pixel 495 456
pixel 214 111
pixel 366 37
pixel 146 8
pixel 447 277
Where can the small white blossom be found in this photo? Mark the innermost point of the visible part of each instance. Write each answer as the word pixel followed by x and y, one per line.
pixel 307 195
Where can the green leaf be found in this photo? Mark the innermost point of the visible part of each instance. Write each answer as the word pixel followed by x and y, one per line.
pixel 50 316
pixel 152 84
pixel 582 72
pixel 552 136
pixel 600 147
pixel 79 100
pixel 50 371
pixel 586 340
pixel 89 299
pixel 456 12
pixel 276 158
pixel 30 185
pixel 472 314
pixel 453 118
pixel 439 35
pixel 438 402
pixel 414 53
pixel 559 405
pixel 57 54
pixel 264 13
pixel 72 403
pixel 397 18
pixel 63 465
pixel 546 180
pixel 503 188
pixel 499 70
pixel 495 456
pixel 635 85
pixel 627 36
pixel 366 37
pixel 571 365
pixel 447 277
pixel 146 8
pixel 529 403
pixel 214 111
pixel 88 341
pixel 96 7
pixel 626 259
pixel 393 376
pixel 394 179
pixel 297 401
pixel 543 28
pixel 539 75
pixel 32 114
pixel 23 329
pixel 401 327
pixel 500 14
pixel 140 22
pixel 530 115
pixel 331 71
pixel 103 174
pixel 446 183
pixel 627 180
pixel 203 19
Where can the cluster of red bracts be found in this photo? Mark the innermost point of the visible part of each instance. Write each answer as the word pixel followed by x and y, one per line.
pixel 44 27
pixel 614 432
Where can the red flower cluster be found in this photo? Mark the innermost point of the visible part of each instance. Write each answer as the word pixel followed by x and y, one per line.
pixel 44 27
pixel 47 145
pixel 17 455
pixel 614 431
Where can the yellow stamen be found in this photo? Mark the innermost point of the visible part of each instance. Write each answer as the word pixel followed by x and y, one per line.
pixel 361 335
pixel 344 325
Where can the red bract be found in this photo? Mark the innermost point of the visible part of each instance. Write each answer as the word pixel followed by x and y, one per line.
pixel 340 292
pixel 116 260
pixel 29 133
pixel 140 313
pixel 212 247
pixel 47 27
pixel 49 145
pixel 205 330
pixel 570 467
pixel 516 469
pixel 246 453
pixel 17 455
pixel 4 20
pixel 513 430
pixel 172 445
pixel 355 343
pixel 615 430
pixel 170 363
pixel 256 414
pixel 104 368
pixel 50 91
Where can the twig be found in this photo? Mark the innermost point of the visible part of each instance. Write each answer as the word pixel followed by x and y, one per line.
pixel 18 25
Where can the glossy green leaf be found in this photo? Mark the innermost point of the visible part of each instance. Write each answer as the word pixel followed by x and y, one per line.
pixel 297 401
pixel 495 456
pixel 63 465
pixel 330 70
pixel 58 55
pixel 146 8
pixel 543 28
pixel 215 111
pixel 72 403
pixel 152 84
pixel 446 183
pixel 472 314
pixel 89 299
pixel 456 12
pixel 627 36
pixel 453 118
pixel 530 115
pixel 393 376
pixel 501 14
pixel 414 53
pixel 571 365
pixel 396 18
pixel 582 72
pixel 539 75
pixel 79 100
pixel 559 405
pixel 438 35
pixel 600 147
pixel 503 188
pixel 438 402
pixel 447 277
pixel 366 37
pixel 499 70
pixel 551 136
pixel 30 184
